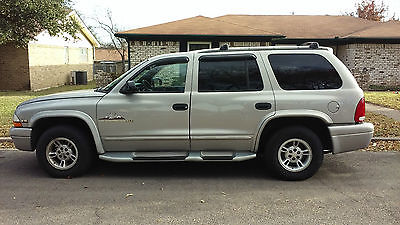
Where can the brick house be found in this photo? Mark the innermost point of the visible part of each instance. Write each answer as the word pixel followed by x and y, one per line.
pixel 47 61
pixel 370 49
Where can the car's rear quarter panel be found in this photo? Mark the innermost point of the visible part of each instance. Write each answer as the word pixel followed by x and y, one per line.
pixel 317 100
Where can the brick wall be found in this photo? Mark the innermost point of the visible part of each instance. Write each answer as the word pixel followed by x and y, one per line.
pixel 372 64
pixel 142 50
pixel 14 68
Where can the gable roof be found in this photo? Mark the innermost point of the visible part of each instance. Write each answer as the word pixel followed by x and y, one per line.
pixel 84 29
pixel 273 26
pixel 200 25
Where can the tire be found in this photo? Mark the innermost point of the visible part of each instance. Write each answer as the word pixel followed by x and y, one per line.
pixel 294 153
pixel 65 151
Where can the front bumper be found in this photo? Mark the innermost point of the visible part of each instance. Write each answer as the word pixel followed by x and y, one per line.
pixel 21 138
pixel 347 138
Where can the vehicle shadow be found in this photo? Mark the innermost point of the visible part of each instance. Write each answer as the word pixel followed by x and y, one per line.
pixel 247 169
pixel 25 165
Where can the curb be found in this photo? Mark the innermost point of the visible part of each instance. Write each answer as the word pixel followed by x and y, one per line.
pixel 386 139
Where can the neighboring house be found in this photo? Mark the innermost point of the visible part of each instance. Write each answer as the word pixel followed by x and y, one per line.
pixel 47 61
pixel 370 49
pixel 109 60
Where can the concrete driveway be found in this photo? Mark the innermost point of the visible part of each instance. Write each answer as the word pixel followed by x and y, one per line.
pixel 352 188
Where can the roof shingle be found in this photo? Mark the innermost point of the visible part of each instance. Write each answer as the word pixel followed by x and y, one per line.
pixel 201 25
pixel 294 26
pixel 290 26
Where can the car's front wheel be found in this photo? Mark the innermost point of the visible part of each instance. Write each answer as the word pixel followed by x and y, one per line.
pixel 294 153
pixel 64 151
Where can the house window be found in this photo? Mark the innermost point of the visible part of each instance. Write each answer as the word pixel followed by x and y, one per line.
pixel 193 46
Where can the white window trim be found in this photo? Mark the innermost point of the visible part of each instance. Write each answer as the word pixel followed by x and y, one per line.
pixel 198 43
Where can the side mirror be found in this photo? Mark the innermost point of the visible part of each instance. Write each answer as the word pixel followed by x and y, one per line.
pixel 129 87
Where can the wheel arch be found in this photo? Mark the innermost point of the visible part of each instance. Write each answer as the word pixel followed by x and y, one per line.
pixel 316 122
pixel 45 119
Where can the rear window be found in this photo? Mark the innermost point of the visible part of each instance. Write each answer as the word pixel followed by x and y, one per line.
pixel 304 72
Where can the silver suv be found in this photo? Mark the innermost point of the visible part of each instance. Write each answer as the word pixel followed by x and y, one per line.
pixel 287 106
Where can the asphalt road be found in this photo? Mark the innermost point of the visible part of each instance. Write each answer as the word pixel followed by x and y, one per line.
pixel 351 188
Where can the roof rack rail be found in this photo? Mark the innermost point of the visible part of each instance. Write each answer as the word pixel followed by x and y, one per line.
pixel 313 45
pixel 304 46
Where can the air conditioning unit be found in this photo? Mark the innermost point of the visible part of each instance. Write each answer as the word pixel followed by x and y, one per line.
pixel 78 77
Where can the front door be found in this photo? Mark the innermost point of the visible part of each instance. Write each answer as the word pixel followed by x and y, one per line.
pixel 154 118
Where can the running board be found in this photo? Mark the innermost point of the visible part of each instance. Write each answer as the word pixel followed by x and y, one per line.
pixel 202 156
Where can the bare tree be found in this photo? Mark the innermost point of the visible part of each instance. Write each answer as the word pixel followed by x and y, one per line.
pixel 116 43
pixel 394 18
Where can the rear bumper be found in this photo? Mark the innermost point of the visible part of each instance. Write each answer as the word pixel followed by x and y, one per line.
pixel 347 138
pixel 21 138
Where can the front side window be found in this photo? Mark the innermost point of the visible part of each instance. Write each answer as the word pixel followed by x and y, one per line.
pixel 304 72
pixel 168 77
pixel 227 74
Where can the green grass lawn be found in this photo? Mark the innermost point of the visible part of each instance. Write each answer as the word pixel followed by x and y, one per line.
pixel 383 98
pixel 10 99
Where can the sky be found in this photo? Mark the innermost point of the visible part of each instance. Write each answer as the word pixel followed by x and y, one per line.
pixel 130 14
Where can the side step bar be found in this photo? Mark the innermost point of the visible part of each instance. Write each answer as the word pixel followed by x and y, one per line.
pixel 176 156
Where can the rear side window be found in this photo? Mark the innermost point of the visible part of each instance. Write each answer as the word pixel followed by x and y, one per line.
pixel 229 74
pixel 304 72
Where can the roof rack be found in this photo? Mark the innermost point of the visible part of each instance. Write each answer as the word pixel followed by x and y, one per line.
pixel 304 46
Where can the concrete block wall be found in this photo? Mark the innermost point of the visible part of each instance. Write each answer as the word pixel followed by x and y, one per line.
pixel 51 65
pixel 43 77
pixel 142 50
pixel 14 68
pixel 372 64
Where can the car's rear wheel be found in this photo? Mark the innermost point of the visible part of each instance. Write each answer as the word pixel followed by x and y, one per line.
pixel 64 151
pixel 294 153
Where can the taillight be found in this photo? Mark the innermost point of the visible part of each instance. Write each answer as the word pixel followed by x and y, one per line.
pixel 359 116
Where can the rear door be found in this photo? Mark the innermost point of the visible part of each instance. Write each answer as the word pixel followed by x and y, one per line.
pixel 230 100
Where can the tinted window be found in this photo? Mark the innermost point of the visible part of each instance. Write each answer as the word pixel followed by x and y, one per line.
pixel 304 72
pixel 162 77
pixel 229 74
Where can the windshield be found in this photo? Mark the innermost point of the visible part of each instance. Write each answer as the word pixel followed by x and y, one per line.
pixel 111 85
